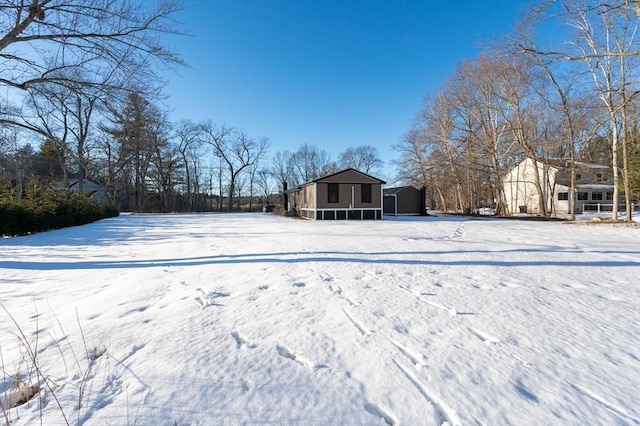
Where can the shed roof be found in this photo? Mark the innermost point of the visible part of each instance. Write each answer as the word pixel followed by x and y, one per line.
pixel 398 189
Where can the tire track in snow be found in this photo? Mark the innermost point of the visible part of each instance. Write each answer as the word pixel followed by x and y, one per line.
pixel 617 410
pixel 445 415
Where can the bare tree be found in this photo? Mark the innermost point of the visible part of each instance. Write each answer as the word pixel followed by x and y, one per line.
pixel 163 162
pixel 309 163
pixel 264 180
pixel 107 42
pixel 606 43
pixel 236 151
pixel 478 119
pixel 412 166
pixel 364 158
pixel 563 81
pixel 52 121
pixel 188 138
pixel 438 120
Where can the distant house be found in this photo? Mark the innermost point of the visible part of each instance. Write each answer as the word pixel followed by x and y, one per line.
pixel 348 194
pixel 404 200
pixel 594 187
pixel 90 189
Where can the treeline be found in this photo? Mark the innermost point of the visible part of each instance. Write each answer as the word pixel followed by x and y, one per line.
pixel 49 210
pixel 576 99
pixel 146 163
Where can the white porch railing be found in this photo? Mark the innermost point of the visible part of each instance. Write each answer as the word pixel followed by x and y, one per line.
pixel 604 207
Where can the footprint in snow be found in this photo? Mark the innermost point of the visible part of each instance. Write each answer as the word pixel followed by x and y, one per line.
pixel 241 341
pixel 209 298
pixel 286 353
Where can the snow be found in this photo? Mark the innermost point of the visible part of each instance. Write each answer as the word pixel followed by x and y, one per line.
pixel 261 319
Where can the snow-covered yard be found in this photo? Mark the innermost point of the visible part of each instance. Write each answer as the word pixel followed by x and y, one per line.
pixel 259 319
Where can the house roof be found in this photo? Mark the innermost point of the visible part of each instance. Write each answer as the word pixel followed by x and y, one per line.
pixel 588 186
pixel 328 177
pixel 566 163
pixel 347 170
pixel 601 187
pixel 88 185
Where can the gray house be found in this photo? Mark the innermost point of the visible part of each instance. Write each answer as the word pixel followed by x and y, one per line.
pixel 347 194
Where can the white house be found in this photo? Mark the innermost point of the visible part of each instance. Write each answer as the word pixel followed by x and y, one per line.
pixel 594 187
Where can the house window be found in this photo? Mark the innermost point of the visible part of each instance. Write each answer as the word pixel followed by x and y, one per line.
pixel 563 195
pixel 578 176
pixel 583 196
pixel 365 189
pixel 599 177
pixel 609 196
pixel 596 196
pixel 333 193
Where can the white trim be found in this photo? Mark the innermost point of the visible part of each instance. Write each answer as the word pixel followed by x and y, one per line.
pixel 353 195
pixel 314 212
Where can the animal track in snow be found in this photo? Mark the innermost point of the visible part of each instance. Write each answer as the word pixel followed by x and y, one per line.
pixel 241 341
pixel 490 340
pixel 286 353
pixel 485 337
pixel 451 311
pixel 376 275
pixel 618 410
pixel 445 415
pixel 353 302
pixel 417 359
pixel 132 311
pixel 425 298
pixel 335 289
pixel 377 411
pixel 134 349
pixel 325 276
pixel 459 232
pixel 209 298
pixel 361 328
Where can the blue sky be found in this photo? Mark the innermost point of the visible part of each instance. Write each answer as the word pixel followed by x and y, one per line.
pixel 329 73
